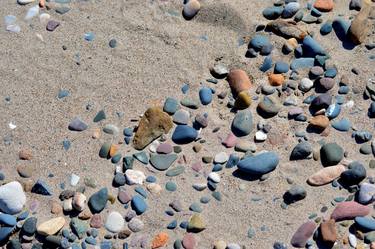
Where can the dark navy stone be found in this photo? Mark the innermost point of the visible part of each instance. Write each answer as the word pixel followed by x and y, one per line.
pixel 311 47
pixel 315 12
pixel 184 134
pixel 355 173
pixel 298 52
pixel 371 110
pixel 151 179
pixel 172 225
pixel 98 200
pixel 42 188
pixel 259 41
pixel 260 164
pixel 362 136
pixel 128 132
pixel 341 27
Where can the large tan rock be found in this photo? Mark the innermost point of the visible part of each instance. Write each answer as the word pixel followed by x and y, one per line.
pixel 153 124
pixel 238 81
pixel 361 24
pixel 51 227
pixel 328 230
pixel 325 175
pixel 287 29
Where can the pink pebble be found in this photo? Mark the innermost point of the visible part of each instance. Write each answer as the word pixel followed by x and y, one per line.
pixel 164 148
pixel 123 196
pixel 96 221
pixel 303 233
pixel 189 241
pixel 349 210
pixel 197 166
pixel 294 111
pixel 230 140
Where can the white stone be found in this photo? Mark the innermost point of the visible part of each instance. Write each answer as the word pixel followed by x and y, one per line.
pixel 12 198
pixel 154 188
pixel 233 246
pixel 306 84
pixel 115 222
pixel 260 136
pixel 23 2
pixel 51 227
pixel 154 145
pixel 135 176
pixel 13 28
pixel 348 104
pixel 68 205
pixel 215 177
pixel 74 179
pixel 118 168
pixel 79 201
pixel 221 157
pixel 12 126
pixel 33 11
pixel 135 225
pixel 352 240
pixel 44 18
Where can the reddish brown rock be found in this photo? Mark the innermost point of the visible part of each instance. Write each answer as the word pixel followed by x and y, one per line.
pixel 238 81
pixel 303 233
pixel 324 5
pixel 325 175
pixel 328 231
pixel 160 240
pixel 56 208
pixel 320 121
pixel 153 124
pixel 189 241
pixel 276 79
pixel 96 221
pixel 349 210
pixel 25 154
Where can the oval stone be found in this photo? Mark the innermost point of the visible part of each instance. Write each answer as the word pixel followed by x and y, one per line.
pixel 184 134
pixel 242 123
pixel 325 175
pixel 303 233
pixel 260 164
pixel 349 210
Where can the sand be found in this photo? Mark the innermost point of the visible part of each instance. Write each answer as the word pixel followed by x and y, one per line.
pixel 157 52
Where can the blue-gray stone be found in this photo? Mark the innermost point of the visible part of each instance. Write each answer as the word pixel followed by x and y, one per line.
pixel 232 161
pixel 315 12
pixel 138 204
pixel 355 173
pixel 141 156
pixel 326 28
pixel 344 90
pixel 116 158
pixel 281 67
pixel 301 151
pixel 362 136
pixel 63 93
pixel 266 50
pixel 100 116
pixel 294 194
pixel 23 215
pixel 260 164
pixel 141 191
pixel 178 170
pixel 195 207
pixel 7 220
pixel 42 188
pixel 333 111
pixel 29 227
pixel 267 64
pixel 311 47
pixel 184 134
pixel 162 161
pixel 171 105
pixel 365 224
pixel 273 12
pixel 5 232
pixel 172 225
pixel 330 72
pixel 301 63
pixel 127 162
pixel 342 125
pixel 242 123
pixel 119 179
pixel 98 200
pixel 259 41
pixel 341 27
pixel 77 125
pixel 290 9
pixel 151 179
pixel 171 186
pixel 205 95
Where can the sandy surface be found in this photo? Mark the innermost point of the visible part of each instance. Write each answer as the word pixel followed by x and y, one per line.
pixel 157 52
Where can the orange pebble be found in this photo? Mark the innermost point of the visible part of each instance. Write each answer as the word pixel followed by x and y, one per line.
pixel 113 150
pixel 320 121
pixel 238 80
pixel 276 79
pixel 324 5
pixel 42 3
pixel 160 240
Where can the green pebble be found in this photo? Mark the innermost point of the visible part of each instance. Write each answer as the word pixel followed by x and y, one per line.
pixel 104 150
pixel 90 182
pixel 128 162
pixel 177 244
pixel 175 171
pixel 205 199
pixel 251 233
pixel 177 149
pixel 318 219
pixel 207 159
pixel 372 164
pixel 195 207
pixel 116 158
pixel 365 149
pixel 370 237
pixel 217 195
pixel 171 186
pixel 189 103
pixel 100 116
pixel 312 216
pixel 339 199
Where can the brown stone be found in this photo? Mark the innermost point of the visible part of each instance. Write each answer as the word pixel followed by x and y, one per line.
pixel 238 81
pixel 27 185
pixel 24 171
pixel 124 234
pixel 25 154
pixel 85 214
pixel 96 221
pixel 328 231
pixel 361 24
pixel 324 5
pixel 56 208
pixel 113 149
pixel 243 100
pixel 320 121
pixel 287 29
pixel 276 79
pixel 153 124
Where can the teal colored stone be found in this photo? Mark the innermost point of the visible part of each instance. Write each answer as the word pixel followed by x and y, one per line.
pixel 104 150
pixel 127 162
pixel 217 195
pixel 260 164
pixel 171 186
pixel 98 200
pixel 369 237
pixel 116 158
pixel 79 227
pixel 171 105
pixel 100 116
pixel 205 199
pixel 142 157
pixel 251 233
pixel 178 170
pixel 195 207
pixel 189 103
pixel 162 161
pixel 177 244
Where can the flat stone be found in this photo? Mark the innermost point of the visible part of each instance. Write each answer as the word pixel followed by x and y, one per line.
pixel 42 188
pixel 134 176
pixel 184 134
pixel 287 29
pixel 365 224
pixel 260 164
pixel 138 204
pixel 52 25
pixel 115 222
pixel 171 106
pixel 242 123
pixel 303 233
pixel 178 170
pixel 349 210
pixel 326 175
pixel 77 125
pixel 162 162
pixel 328 231
pixel 181 117
pixel 153 124
pixel 98 200
pixel 51 227
pixel 196 223
pixel 355 173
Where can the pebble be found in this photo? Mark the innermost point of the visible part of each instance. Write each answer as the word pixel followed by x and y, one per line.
pixel 98 200
pixel 260 136
pixel 77 125
pixel 324 5
pixel 303 233
pixel 178 170
pixel 12 198
pixel 79 201
pixel 196 223
pixel 51 227
pixel 269 106
pixel 181 117
pixel 96 221
pixel 184 134
pixel 205 95
pixel 328 231
pixel 260 164
pixel 243 100
pixel 171 186
pixel 160 240
pixel 333 111
pixel 190 9
pixel 162 162
pixel 134 177
pixel 326 28
pixel 290 9
pixel 276 79
pixel 258 42
pixel 139 205
pixel 326 175
pixel 215 177
pixel 342 125
pixel 171 105
pixel 301 151
pixel 136 225
pixel 294 194
pixel 355 173
pixel 115 222
pixel 238 81
pixel 242 123
pixel 189 241
pixel 331 154
pixel 111 129
pixel 349 210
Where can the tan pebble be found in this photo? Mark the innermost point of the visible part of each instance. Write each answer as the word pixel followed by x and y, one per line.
pixel 238 81
pixel 324 5
pixel 328 231
pixel 27 185
pixel 191 8
pixel 154 188
pixel 361 24
pixel 51 227
pixel 220 244
pixel 243 100
pixel 56 208
pixel 68 205
pixel 320 121
pixel 113 150
pixel 197 148
pixel 293 42
pixel 372 245
pixel 96 133
pixel 276 79
pixel 326 175
pixel 79 201
pixel 85 214
pixel 25 154
pixel 111 198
